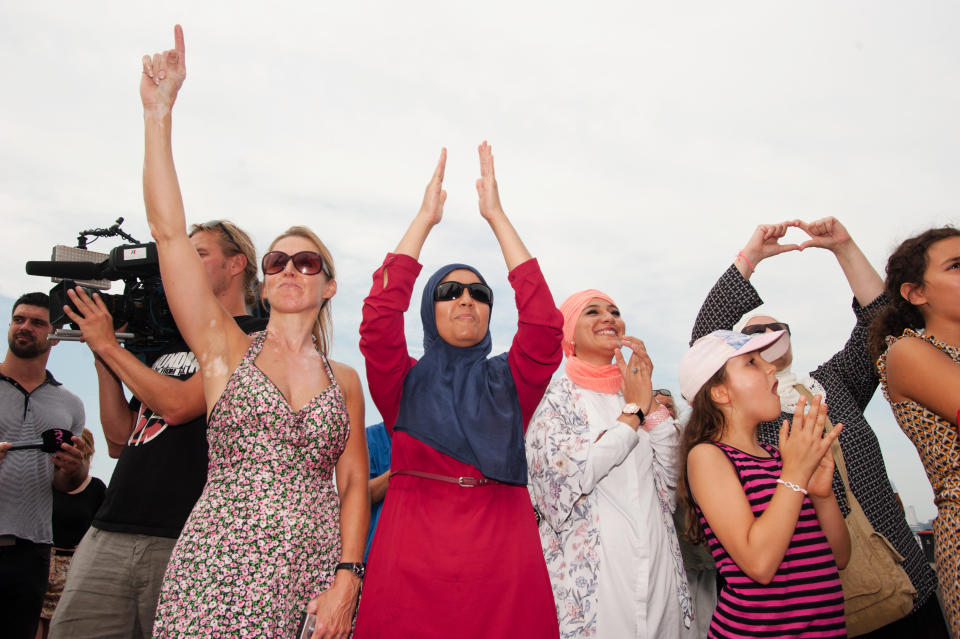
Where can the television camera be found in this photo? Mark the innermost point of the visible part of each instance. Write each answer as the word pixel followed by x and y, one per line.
pixel 142 306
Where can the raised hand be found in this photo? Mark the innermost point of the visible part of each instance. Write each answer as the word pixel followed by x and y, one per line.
pixel 826 233
pixel 163 75
pixel 489 196
pixel 804 446
pixel 430 214
pixel 765 241
pixel 435 195
pixel 637 385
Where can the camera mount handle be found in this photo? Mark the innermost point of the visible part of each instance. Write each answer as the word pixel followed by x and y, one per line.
pixel 113 231
pixel 68 335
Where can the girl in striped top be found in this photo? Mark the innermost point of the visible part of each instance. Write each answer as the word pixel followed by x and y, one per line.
pixel 769 516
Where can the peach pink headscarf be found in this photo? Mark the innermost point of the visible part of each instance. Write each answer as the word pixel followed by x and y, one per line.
pixel 603 379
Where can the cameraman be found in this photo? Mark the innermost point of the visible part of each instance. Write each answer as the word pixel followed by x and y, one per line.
pixel 160 439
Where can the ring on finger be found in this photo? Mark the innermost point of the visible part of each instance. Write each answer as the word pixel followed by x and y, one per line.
pixel 634 369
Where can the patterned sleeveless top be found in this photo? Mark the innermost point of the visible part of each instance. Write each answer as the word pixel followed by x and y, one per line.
pixel 805 598
pixel 936 439
pixel 264 537
pixel 938 443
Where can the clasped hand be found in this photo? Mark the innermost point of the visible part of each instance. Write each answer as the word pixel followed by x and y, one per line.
pixel 335 608
pixel 805 450
pixel 637 385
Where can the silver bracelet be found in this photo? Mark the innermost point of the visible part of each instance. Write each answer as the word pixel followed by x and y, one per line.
pixel 792 486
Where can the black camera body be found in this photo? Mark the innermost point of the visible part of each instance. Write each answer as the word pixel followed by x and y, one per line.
pixel 142 306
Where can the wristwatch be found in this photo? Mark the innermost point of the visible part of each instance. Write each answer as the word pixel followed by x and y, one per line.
pixel 356 567
pixel 633 409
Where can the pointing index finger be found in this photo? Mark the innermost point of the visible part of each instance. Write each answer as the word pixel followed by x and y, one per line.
pixel 178 39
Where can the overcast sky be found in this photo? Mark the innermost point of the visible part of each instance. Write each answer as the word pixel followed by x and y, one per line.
pixel 637 145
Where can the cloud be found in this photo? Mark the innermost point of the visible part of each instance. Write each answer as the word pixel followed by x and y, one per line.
pixel 637 145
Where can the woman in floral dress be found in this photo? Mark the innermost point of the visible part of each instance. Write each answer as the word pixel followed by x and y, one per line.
pixel 263 543
pixel 918 341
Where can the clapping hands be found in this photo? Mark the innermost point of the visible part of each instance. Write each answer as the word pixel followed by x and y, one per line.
pixel 807 458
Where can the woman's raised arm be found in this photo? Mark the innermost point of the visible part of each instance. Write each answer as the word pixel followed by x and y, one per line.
pixel 207 328
pixel 514 252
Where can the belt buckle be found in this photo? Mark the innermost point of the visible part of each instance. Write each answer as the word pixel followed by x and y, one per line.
pixel 469 482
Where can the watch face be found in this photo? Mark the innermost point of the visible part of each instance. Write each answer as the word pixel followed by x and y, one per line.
pixel 631 409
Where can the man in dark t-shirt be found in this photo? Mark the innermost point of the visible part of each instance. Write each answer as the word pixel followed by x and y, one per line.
pixel 160 439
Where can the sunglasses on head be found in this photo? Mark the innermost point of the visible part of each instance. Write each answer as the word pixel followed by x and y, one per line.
pixel 447 291
pixel 753 329
pixel 218 224
pixel 663 391
pixel 307 262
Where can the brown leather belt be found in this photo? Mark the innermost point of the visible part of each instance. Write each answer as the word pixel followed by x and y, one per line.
pixel 463 482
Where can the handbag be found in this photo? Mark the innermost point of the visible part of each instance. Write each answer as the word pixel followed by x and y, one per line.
pixel 876 589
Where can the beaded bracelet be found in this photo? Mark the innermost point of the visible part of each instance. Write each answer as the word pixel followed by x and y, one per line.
pixel 792 486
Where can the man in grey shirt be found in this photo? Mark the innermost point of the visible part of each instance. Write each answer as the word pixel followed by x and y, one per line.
pixel 31 401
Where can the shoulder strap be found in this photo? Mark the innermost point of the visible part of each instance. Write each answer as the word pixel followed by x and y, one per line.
pixel 256 343
pixel 329 369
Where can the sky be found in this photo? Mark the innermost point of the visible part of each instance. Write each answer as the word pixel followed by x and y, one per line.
pixel 637 146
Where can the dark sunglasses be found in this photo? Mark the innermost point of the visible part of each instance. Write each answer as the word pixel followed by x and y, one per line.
pixel 753 329
pixel 307 262
pixel 663 391
pixel 447 291
pixel 218 224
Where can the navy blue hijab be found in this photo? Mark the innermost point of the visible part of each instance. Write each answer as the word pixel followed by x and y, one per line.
pixel 461 403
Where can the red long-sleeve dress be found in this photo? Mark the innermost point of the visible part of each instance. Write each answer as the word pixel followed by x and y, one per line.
pixel 449 561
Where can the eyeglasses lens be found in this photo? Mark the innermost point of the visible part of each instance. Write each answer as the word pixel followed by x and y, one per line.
pixel 307 262
pixel 753 329
pixel 447 291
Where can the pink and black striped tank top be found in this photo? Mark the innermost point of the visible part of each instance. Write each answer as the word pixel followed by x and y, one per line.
pixel 805 598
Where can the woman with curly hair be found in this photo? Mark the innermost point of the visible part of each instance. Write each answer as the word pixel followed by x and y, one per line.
pixel 917 340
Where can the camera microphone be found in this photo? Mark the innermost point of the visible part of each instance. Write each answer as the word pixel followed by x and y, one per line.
pixel 67 270
pixel 50 442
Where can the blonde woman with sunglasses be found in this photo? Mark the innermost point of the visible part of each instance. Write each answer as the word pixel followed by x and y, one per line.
pixel 272 536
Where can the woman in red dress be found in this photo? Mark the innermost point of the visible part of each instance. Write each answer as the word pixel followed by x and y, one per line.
pixel 457 551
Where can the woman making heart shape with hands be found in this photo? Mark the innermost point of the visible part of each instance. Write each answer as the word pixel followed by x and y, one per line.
pixel 847 381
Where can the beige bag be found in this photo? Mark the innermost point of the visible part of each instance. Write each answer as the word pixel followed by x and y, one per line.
pixel 876 589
